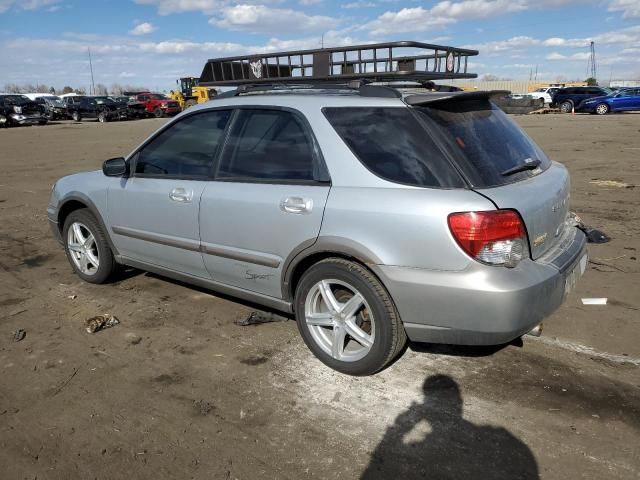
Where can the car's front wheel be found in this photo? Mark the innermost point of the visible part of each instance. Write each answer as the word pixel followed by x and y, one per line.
pixel 158 113
pixel 87 247
pixel 602 109
pixel 347 318
pixel 566 107
pixel 102 117
pixel 76 117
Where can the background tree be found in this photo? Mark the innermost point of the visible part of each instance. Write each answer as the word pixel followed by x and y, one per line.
pixel 67 89
pixel 591 81
pixel 101 89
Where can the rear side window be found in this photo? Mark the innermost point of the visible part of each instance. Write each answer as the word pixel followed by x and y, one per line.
pixel 268 145
pixel 187 148
pixel 484 142
pixel 392 144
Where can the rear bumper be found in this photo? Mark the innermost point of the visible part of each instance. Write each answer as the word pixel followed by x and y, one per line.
pixel 484 305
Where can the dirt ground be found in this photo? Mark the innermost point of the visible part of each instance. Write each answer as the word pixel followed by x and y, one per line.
pixel 200 397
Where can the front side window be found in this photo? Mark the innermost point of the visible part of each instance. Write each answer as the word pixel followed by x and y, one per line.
pixel 186 149
pixel 268 145
pixel 391 143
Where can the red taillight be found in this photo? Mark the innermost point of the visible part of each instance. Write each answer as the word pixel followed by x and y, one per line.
pixel 496 237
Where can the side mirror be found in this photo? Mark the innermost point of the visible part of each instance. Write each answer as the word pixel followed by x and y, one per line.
pixel 115 167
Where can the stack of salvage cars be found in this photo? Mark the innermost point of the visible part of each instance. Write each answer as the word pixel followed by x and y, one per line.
pixel 39 108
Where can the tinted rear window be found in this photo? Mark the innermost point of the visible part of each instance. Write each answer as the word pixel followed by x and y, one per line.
pixel 393 144
pixel 483 141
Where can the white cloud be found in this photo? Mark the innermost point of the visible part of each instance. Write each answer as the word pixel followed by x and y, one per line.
pixel 359 4
pixel 262 19
pixel 26 4
pixel 406 20
pixel 309 2
pixel 208 7
pixel 629 8
pixel 477 8
pixel 419 19
pixel 143 29
pixel 576 56
pixel 166 7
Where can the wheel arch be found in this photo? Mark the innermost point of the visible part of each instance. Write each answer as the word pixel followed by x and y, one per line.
pixel 76 201
pixel 302 258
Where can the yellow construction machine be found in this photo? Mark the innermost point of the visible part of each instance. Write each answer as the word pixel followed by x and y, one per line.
pixel 190 93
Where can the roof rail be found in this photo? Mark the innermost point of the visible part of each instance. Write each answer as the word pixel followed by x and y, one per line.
pixel 376 62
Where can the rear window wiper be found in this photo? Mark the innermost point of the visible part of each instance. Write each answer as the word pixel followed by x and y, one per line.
pixel 530 164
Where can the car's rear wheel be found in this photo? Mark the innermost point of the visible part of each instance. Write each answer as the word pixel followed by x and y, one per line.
pixel 566 107
pixel 76 117
pixel 602 109
pixel 102 117
pixel 347 318
pixel 87 247
pixel 158 113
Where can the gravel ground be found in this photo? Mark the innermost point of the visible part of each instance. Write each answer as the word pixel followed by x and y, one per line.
pixel 177 390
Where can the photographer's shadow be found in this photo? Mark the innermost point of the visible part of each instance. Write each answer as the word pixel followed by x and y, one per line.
pixel 431 440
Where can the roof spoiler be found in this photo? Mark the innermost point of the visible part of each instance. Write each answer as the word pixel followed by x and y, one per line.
pixel 377 62
pixel 420 99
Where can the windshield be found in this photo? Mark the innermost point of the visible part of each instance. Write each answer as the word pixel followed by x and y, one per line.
pixel 103 100
pixel 16 99
pixel 484 142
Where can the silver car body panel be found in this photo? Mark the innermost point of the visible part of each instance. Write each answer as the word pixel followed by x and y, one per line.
pixel 237 238
pixel 246 233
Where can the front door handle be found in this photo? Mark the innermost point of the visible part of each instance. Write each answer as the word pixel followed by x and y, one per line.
pixel 297 205
pixel 181 195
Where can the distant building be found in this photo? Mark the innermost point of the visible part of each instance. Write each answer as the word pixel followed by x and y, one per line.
pixel 624 83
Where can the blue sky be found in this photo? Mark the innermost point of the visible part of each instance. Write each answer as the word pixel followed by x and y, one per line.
pixel 152 42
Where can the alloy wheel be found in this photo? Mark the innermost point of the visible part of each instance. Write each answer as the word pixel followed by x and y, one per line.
pixel 83 249
pixel 340 320
pixel 602 109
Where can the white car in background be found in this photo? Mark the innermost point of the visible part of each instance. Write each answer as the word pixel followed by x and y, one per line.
pixel 545 93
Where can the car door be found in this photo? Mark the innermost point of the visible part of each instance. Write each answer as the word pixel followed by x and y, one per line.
pixel 267 199
pixel 154 213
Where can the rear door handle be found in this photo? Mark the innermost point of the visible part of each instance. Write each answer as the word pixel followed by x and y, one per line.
pixel 296 205
pixel 181 195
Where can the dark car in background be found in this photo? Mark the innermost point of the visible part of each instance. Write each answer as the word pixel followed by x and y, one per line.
pixel 81 106
pixel 134 108
pixel 115 110
pixel 566 99
pixel 622 100
pixel 54 107
pixel 19 110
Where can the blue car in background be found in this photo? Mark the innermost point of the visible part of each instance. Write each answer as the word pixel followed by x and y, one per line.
pixel 623 100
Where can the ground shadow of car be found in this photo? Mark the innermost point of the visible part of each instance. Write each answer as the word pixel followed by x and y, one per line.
pixel 446 446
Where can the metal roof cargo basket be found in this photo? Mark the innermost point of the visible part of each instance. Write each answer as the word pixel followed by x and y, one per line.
pixel 377 62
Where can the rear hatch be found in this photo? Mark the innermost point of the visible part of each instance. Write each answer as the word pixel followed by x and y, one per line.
pixel 500 162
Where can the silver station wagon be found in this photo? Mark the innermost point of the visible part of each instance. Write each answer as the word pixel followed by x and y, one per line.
pixel 343 186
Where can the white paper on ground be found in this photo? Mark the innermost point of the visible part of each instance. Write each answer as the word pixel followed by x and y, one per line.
pixel 594 301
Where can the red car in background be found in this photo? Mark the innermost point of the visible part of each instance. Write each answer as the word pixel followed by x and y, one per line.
pixel 156 104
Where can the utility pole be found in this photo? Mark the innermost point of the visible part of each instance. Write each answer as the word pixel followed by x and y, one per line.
pixel 592 62
pixel 93 86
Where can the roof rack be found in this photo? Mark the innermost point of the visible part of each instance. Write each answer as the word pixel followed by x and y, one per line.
pixel 376 62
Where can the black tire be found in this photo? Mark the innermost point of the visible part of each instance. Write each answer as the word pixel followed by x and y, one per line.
pixel 390 336
pixel 76 117
pixel 566 106
pixel 602 109
pixel 107 264
pixel 102 117
pixel 190 103
pixel 158 113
